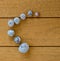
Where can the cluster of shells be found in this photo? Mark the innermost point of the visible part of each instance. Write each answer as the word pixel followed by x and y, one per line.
pixel 24 47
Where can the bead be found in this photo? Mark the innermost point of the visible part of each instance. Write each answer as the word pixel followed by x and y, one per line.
pixel 11 33
pixel 23 16
pixel 30 13
pixel 23 48
pixel 36 13
pixel 17 20
pixel 17 39
pixel 10 23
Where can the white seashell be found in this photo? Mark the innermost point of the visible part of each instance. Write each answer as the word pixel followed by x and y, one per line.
pixel 23 16
pixel 36 13
pixel 23 48
pixel 11 33
pixel 17 39
pixel 10 23
pixel 17 20
pixel 30 13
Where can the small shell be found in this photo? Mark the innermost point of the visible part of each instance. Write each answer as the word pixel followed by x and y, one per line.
pixel 17 39
pixel 11 33
pixel 37 14
pixel 30 13
pixel 23 16
pixel 10 23
pixel 23 48
pixel 16 20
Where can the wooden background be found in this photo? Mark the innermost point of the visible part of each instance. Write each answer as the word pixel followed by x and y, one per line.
pixel 42 33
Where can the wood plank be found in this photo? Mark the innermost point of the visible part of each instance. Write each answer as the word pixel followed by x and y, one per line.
pixel 35 54
pixel 12 8
pixel 35 31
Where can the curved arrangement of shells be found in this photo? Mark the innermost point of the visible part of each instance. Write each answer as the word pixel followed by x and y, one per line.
pixel 24 47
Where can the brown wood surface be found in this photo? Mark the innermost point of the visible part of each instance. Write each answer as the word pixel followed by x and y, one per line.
pixel 12 8
pixel 42 34
pixel 35 31
pixel 35 54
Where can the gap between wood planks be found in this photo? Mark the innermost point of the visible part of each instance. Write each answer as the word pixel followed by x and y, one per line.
pixel 26 17
pixel 31 46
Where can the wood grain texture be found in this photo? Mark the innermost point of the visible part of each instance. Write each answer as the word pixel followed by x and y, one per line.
pixel 35 31
pixel 42 34
pixel 12 8
pixel 35 54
